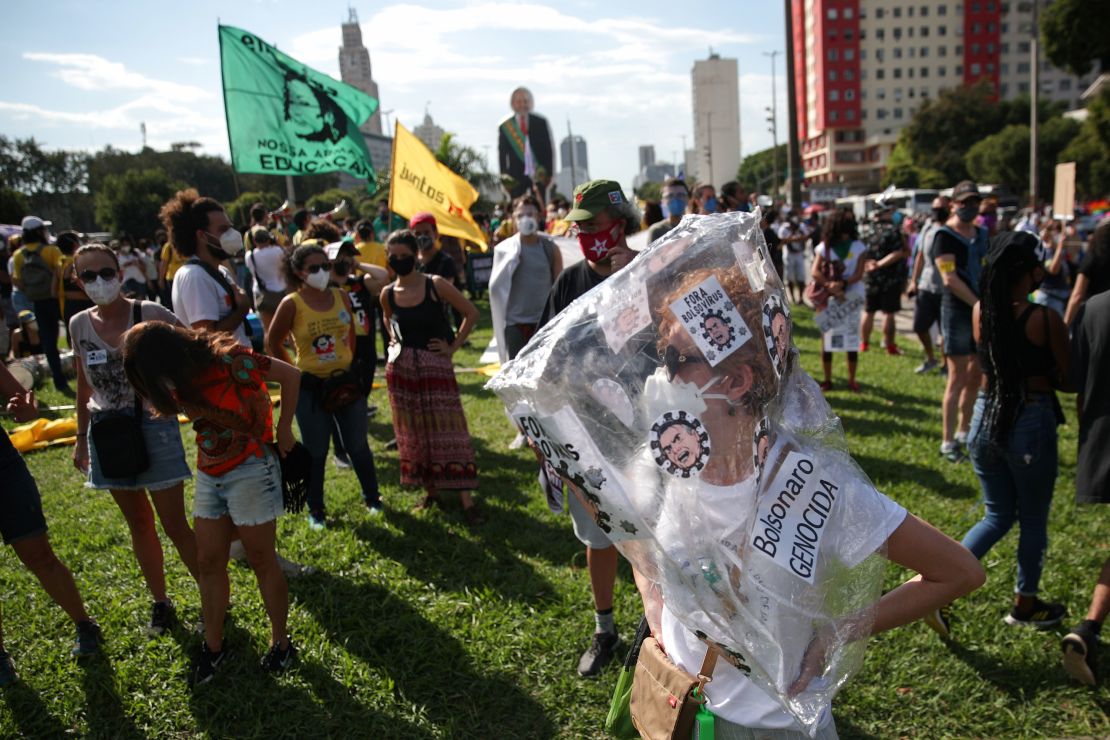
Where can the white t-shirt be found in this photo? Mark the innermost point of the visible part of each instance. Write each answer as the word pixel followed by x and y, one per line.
pixel 132 266
pixel 109 389
pixel 726 511
pixel 265 264
pixel 198 297
pixel 855 254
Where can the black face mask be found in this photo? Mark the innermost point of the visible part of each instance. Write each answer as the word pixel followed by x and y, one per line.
pixel 402 265
pixel 341 268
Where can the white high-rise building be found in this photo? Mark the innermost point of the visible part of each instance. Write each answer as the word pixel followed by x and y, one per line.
pixel 716 92
pixel 429 132
pixel 354 69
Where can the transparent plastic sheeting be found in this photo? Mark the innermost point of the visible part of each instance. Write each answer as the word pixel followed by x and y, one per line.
pixel 671 398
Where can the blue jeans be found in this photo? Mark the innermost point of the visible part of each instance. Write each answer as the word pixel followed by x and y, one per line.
pixel 1017 486
pixel 316 429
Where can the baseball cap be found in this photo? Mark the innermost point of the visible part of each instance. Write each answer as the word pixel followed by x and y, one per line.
pixel 423 217
pixel 590 198
pixel 966 189
pixel 30 223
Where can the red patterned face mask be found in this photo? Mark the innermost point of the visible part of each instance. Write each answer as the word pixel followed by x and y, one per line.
pixel 595 247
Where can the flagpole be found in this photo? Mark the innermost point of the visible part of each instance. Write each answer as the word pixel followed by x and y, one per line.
pixel 392 164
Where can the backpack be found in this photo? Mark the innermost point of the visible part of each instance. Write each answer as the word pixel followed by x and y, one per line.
pixel 36 275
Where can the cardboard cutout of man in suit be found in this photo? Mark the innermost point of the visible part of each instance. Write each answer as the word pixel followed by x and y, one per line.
pixel 525 147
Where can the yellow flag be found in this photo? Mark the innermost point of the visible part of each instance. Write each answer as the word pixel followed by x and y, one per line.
pixel 422 183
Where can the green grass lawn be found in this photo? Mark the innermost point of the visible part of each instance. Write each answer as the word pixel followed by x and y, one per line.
pixel 417 627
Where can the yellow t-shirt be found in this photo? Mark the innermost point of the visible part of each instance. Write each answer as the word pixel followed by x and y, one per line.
pixel 372 253
pixel 173 260
pixel 321 337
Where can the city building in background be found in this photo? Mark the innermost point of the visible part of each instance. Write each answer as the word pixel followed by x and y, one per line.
pixel 862 68
pixel 572 173
pixel 716 102
pixel 354 69
pixel 650 170
pixel 428 132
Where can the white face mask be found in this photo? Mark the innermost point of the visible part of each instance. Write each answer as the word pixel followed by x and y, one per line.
pixel 662 395
pixel 231 241
pixel 318 280
pixel 526 225
pixel 102 292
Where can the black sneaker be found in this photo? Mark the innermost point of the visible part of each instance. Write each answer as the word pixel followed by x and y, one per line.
pixel 277 660
pixel 161 618
pixel 88 639
pixel 1042 616
pixel 940 621
pixel 204 669
pixel 602 650
pixel 1081 656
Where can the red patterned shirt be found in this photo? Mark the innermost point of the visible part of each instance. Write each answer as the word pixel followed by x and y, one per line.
pixel 235 420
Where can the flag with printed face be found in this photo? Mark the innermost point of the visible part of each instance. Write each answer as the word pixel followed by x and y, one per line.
pixel 423 183
pixel 284 118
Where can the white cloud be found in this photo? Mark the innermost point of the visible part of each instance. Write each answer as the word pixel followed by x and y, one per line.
pixel 97 74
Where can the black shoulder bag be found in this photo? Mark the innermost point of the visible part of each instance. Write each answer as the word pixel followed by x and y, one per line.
pixel 118 437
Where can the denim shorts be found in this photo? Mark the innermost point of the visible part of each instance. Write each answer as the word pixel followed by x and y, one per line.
pixel 163 448
pixel 250 493
pixel 20 504
pixel 955 325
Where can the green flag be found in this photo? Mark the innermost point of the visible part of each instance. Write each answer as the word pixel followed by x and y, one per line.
pixel 284 118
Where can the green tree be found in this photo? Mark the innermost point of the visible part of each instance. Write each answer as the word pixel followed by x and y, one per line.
pixel 13 205
pixel 130 202
pixel 1004 157
pixel 239 209
pixel 650 191
pixel 1076 34
pixel 756 169
pixel 1090 150
pixel 467 163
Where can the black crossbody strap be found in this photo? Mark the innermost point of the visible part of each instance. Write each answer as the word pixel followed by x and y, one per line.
pixel 136 319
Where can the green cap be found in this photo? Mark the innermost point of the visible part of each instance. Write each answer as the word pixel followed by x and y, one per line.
pixel 590 198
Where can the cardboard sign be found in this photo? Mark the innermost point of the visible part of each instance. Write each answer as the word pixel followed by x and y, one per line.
pixel 792 514
pixel 711 320
pixel 839 324
pixel 1063 195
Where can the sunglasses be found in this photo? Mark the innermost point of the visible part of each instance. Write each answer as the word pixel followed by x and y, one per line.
pixel 673 359
pixel 104 273
pixel 313 269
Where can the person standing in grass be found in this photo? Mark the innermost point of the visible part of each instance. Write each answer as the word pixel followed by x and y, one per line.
pixel 221 386
pixel 838 264
pixel 320 318
pixel 23 526
pixel 960 247
pixel 1023 349
pixel 1091 368
pixel 102 392
pixel 433 440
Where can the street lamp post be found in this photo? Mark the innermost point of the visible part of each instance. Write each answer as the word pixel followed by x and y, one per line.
pixel 773 120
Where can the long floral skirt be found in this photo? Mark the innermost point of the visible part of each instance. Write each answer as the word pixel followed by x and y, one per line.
pixel 433 440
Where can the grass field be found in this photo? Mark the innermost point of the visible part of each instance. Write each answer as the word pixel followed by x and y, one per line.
pixel 414 626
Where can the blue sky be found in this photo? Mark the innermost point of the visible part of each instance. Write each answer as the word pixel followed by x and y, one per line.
pixel 83 75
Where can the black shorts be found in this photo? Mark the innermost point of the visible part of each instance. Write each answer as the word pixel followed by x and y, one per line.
pixel 887 301
pixel 926 311
pixel 20 504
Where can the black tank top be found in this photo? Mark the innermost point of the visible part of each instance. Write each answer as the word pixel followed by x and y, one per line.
pixel 1033 361
pixel 420 323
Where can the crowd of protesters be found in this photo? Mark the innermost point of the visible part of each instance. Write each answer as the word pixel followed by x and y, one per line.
pixel 199 319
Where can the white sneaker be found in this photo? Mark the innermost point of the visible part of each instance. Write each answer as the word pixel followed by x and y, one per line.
pixel 517 442
pixel 294 570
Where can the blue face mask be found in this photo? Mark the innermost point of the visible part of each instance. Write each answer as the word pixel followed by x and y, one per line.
pixel 674 207
pixel 710 205
pixel 896 219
